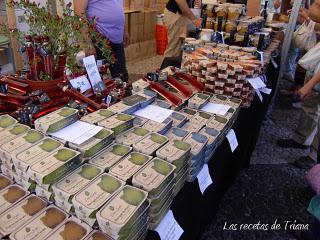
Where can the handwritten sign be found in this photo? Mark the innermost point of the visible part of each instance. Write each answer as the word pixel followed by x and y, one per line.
pixel 233 141
pixel 168 228
pixel 154 113
pixel 214 108
pixel 204 178
pixel 81 83
pixel 93 73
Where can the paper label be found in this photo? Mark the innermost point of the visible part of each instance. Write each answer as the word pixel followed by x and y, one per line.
pixel 154 113
pixel 232 138
pixel 219 109
pixel 256 82
pixel 78 132
pixel 81 83
pixel 169 229
pixel 204 178
pixel 93 73
pixel 266 90
pixel 47 165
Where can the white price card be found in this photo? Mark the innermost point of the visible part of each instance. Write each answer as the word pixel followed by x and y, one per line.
pixel 256 82
pixel 266 90
pixel 168 228
pixel 214 108
pixel 233 141
pixel 274 63
pixel 204 178
pixel 81 83
pixel 92 70
pixel 78 132
pixel 154 113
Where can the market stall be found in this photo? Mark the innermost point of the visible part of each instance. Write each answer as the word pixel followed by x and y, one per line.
pixel 87 156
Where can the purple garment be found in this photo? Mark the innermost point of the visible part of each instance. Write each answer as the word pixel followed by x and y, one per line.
pixel 313 178
pixel 111 19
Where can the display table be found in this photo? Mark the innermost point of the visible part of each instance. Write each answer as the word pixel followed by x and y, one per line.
pixel 192 210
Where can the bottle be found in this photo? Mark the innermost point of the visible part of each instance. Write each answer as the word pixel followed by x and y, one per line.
pixel 264 12
pixel 231 40
pixel 259 53
pixel 218 35
pixel 246 40
pixel 47 57
pixel 29 50
pixel 37 59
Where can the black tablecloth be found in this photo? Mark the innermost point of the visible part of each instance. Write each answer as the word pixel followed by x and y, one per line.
pixel 191 209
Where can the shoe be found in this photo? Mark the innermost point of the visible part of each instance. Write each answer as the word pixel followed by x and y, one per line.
pixel 290 143
pixel 305 163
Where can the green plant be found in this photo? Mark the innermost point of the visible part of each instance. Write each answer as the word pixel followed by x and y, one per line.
pixel 68 34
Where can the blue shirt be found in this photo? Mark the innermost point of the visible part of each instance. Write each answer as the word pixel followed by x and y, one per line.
pixel 110 16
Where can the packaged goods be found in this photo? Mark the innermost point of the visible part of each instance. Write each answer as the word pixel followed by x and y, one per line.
pixel 176 134
pixel 42 225
pixel 13 132
pixel 95 144
pixel 44 193
pixel 91 198
pixel 150 144
pixel 129 165
pixel 98 235
pixel 188 112
pixel 178 119
pixel 71 229
pixel 120 216
pixel 66 188
pixel 118 123
pixel 36 153
pixel 97 116
pixel 6 121
pixel 120 107
pixel 19 144
pixel 20 213
pixel 198 100
pixel 139 121
pixel 157 127
pixel 154 177
pixel 56 120
pixel 51 169
pixel 110 156
pixel 10 196
pixel 132 136
pixel 4 181
pixel 218 123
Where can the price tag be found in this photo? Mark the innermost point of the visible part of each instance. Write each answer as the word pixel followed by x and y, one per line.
pixel 266 90
pixel 204 178
pixel 81 83
pixel 256 82
pixel 274 63
pixel 233 141
pixel 93 73
pixel 168 228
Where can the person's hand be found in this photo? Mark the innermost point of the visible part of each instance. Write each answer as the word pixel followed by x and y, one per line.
pixel 126 39
pixel 304 92
pixel 197 22
pixel 277 4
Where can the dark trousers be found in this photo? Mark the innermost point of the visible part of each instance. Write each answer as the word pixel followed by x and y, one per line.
pixel 119 68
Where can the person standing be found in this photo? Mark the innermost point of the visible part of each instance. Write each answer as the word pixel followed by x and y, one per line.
pixel 110 19
pixel 175 19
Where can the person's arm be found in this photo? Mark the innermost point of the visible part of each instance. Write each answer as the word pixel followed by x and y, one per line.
pixel 188 13
pixel 80 7
pixel 307 88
